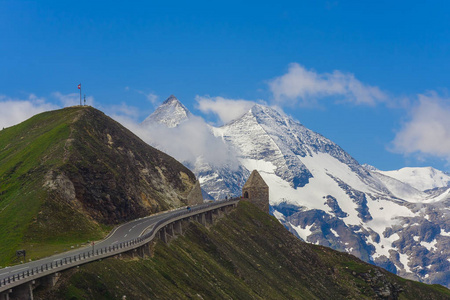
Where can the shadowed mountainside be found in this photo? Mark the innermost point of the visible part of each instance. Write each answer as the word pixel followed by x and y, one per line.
pixel 246 255
pixel 69 175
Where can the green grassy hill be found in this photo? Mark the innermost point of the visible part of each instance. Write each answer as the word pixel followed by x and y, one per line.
pixel 68 176
pixel 246 255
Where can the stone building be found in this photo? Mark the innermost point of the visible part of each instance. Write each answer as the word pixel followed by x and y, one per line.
pixel 257 191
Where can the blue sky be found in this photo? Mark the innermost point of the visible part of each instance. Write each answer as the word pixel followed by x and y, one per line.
pixel 371 76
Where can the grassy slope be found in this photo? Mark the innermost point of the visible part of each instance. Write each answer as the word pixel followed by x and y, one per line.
pixel 246 255
pixel 101 175
pixel 27 152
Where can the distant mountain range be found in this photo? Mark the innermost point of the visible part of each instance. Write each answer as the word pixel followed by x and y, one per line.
pixel 399 220
pixel 246 255
pixel 68 176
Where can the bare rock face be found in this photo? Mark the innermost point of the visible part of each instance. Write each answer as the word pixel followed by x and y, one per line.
pixel 67 173
pixel 195 196
pixel 112 176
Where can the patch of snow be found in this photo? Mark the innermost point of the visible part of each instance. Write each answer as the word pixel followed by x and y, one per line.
pixel 303 232
pixel 278 215
pixel 429 245
pixel 404 260
pixel 334 232
pixel 321 184
pixel 390 215
pixel 445 233
pixel 385 244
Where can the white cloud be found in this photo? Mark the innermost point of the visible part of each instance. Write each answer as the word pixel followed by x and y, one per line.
pixel 428 130
pixel 152 98
pixel 15 111
pixel 307 86
pixel 188 142
pixel 123 112
pixel 72 99
pixel 226 109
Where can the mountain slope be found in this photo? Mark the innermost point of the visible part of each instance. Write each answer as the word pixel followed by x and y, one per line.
pixel 324 196
pixel 69 175
pixel 420 178
pixel 219 173
pixel 170 113
pixel 245 255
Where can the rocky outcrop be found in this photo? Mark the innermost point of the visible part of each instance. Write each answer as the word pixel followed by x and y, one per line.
pixel 245 255
pixel 196 195
pixel 67 176
pixel 116 176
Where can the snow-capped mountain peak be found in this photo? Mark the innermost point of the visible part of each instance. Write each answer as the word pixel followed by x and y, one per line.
pixel 324 196
pixel 170 113
pixel 425 178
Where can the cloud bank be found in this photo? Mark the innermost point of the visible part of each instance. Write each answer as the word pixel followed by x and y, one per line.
pixel 226 109
pixel 427 132
pixel 307 86
pixel 15 111
pixel 72 99
pixel 190 142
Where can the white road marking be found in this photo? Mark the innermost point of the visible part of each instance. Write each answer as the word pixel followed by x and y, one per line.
pixel 130 230
pixel 125 235
pixel 114 242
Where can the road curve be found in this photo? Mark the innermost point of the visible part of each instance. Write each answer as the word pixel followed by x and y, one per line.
pixel 124 233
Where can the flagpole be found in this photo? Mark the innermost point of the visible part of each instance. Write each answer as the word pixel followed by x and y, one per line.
pixel 80 94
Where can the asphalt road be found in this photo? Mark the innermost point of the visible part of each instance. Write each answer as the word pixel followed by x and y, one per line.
pixel 123 233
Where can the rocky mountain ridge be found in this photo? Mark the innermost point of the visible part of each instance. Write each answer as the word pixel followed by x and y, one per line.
pixel 324 196
pixel 247 254
pixel 68 175
pixel 170 113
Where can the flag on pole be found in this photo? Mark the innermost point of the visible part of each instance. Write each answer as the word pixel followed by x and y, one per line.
pixel 79 87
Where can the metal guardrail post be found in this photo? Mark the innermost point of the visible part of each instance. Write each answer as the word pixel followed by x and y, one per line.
pixel 127 244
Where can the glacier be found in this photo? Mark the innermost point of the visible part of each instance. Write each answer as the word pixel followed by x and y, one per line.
pixel 399 220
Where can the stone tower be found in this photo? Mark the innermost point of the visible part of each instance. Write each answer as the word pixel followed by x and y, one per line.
pixel 256 191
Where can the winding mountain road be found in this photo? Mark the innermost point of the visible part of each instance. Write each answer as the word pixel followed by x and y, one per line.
pixel 124 233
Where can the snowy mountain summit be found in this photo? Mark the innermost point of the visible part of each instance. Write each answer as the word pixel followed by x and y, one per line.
pixel 423 179
pixel 324 196
pixel 170 113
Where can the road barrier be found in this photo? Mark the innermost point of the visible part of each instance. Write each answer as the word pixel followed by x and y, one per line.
pixel 90 255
